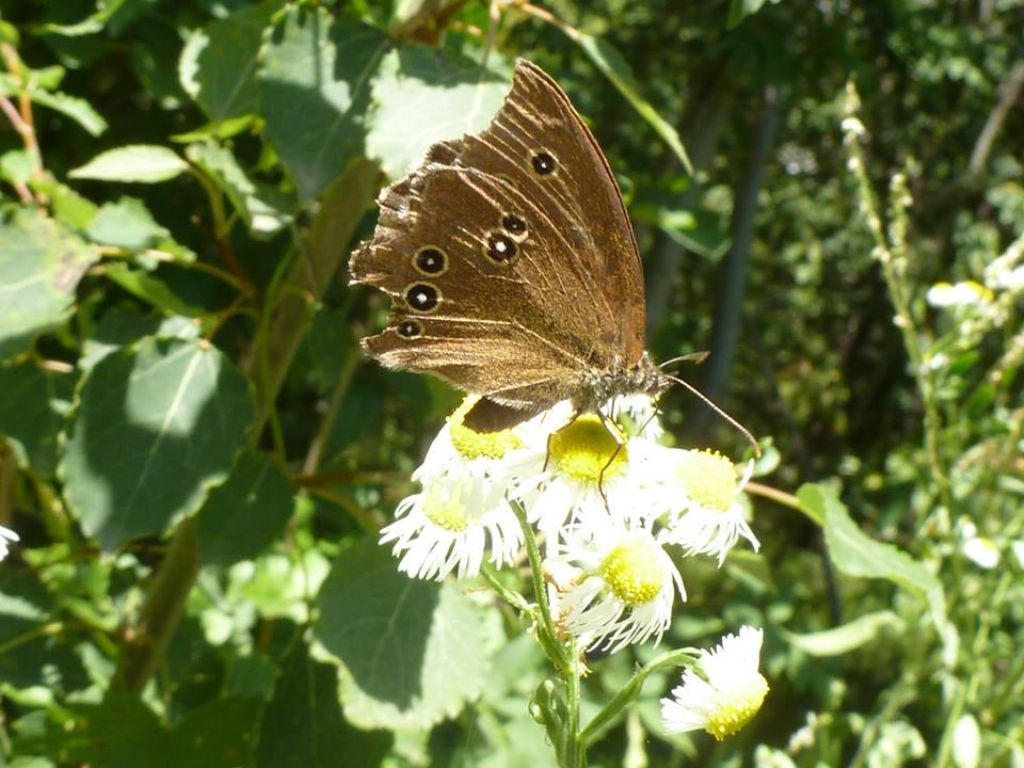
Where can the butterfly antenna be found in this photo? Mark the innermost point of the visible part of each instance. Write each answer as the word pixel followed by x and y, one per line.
pixel 696 357
pixel 707 401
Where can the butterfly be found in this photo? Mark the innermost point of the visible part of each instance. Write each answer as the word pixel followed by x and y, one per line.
pixel 512 265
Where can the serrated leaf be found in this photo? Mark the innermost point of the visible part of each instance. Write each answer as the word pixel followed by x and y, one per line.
pixel 139 163
pixel 156 425
pixel 87 26
pixel 314 95
pixel 40 265
pixel 856 554
pixel 32 412
pixel 444 95
pixel 613 66
pixel 412 652
pixel 265 210
pixel 218 64
pixel 242 517
pixel 77 109
pixel 848 637
pixel 303 726
pixel 67 206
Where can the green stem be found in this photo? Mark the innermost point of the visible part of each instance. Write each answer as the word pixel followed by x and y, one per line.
pixel 575 750
pixel 146 641
pixel 891 253
pixel 511 597
pixel 323 433
pixel 546 632
pixel 319 254
pixel 614 709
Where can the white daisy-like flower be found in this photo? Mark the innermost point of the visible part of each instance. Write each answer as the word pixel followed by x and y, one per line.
pixel 592 474
pixel 463 513
pixel 726 694
pixel 623 585
pixel 962 294
pixel 7 537
pixel 439 531
pixel 709 517
pixel 483 466
pixel 981 551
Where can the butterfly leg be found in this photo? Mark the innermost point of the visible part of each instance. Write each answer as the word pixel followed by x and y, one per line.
pixel 620 443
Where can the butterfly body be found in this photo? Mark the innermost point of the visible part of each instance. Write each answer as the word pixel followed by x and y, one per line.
pixel 512 265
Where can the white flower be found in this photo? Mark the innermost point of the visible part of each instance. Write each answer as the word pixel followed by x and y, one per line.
pixel 964 294
pixel 728 692
pixel 590 476
pixel 7 537
pixel 624 585
pixel 709 516
pixel 483 466
pixel 981 551
pixel 439 531
pixel 463 512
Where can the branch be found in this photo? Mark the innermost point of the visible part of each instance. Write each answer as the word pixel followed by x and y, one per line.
pixel 1009 91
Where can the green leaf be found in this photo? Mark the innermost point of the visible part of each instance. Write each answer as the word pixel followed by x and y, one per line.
pixel 140 163
pixel 848 637
pixel 77 109
pixel 244 516
pixel 32 412
pixel 220 733
pixel 68 206
pixel 17 166
pixel 117 731
pixel 40 266
pixel 303 726
pixel 123 325
pixel 87 26
pixel 856 554
pixel 314 94
pixel 151 289
pixel 265 209
pixel 126 224
pixel 413 652
pixel 218 64
pixel 443 94
pixel 613 66
pixel 156 425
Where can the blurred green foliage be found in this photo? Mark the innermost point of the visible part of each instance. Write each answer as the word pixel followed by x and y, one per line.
pixel 197 456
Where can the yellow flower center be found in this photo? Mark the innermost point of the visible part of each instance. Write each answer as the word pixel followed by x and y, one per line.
pixel 709 479
pixel 584 450
pixel 449 514
pixel 473 445
pixel 633 571
pixel 737 709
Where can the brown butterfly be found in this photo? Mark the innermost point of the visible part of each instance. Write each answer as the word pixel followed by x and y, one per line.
pixel 512 265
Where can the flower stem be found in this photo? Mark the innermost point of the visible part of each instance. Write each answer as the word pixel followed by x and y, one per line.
pixel 611 711
pixel 575 750
pixel 546 632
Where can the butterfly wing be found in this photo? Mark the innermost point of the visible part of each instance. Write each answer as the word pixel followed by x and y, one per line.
pixel 540 143
pixel 509 257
